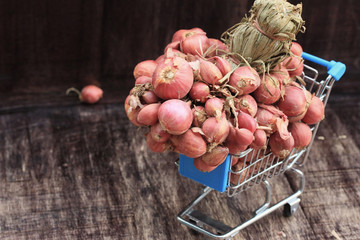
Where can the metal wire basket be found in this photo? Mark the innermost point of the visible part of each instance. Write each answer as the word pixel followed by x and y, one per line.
pixel 258 166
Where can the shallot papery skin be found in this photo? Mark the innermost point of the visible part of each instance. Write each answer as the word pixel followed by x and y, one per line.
pixel 200 92
pixel 155 146
pixel 297 118
pixel 173 78
pixel 238 140
pixel 223 65
pixel 171 52
pixel 214 106
pixel 216 156
pixel 237 178
pixel 145 68
pixel 294 101
pixel 296 49
pixel 158 134
pixel 194 45
pixel 245 80
pixel 190 144
pixel 247 104
pixel 91 94
pixel 131 112
pixel 216 130
pixel 173 45
pixel 273 119
pixel 182 34
pixel 316 111
pixel 209 72
pixel 308 97
pixel 203 166
pixel 234 160
pixel 143 80
pixel 282 124
pixel 301 133
pixel 199 116
pixel 260 139
pixel 149 97
pixel 148 115
pixel 282 75
pixel 269 90
pixel 216 47
pixel 294 65
pixel 160 58
pixel 266 118
pixel 280 147
pixel 246 121
pixel 175 116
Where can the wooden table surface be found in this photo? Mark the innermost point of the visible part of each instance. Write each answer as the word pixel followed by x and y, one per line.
pixel 75 171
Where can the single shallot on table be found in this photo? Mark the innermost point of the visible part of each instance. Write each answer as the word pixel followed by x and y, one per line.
pixel 89 94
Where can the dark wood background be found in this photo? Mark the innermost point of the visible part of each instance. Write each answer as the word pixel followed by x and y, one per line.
pixel 73 171
pixel 59 44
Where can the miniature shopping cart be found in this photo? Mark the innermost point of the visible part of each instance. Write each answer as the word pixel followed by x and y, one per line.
pixel 250 175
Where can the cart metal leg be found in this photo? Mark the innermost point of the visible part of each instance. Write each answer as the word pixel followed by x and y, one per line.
pixel 267 199
pixel 197 220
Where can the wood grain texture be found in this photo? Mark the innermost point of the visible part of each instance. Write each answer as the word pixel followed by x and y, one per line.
pixel 84 172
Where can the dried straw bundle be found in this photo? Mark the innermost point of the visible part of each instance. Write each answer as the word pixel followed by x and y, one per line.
pixel 264 38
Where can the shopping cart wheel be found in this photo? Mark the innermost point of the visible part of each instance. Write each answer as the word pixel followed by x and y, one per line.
pixel 291 207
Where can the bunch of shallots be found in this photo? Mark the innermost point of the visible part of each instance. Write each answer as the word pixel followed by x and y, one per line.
pixel 198 100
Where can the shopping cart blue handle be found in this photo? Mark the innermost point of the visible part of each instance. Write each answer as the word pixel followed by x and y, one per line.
pixel 335 69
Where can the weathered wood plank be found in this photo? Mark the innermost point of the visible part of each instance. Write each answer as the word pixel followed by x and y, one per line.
pixel 86 173
pixel 331 203
pixel 48 196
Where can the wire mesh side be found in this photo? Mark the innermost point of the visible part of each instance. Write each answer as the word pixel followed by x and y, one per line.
pixel 258 166
pixel 321 89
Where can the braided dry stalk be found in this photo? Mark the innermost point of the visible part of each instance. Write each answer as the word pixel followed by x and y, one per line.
pixel 264 39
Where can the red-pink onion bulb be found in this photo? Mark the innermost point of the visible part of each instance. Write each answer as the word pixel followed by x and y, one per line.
pixel 145 68
pixel 159 134
pixel 182 34
pixel 195 45
pixel 247 104
pixel 175 116
pixel 301 133
pixel 173 78
pixel 216 156
pixel 316 111
pixel 245 79
pixel 131 112
pixel 216 130
pixel 269 90
pixel 200 92
pixel 294 101
pixel 246 121
pixel 209 72
pixel 199 116
pixel 280 147
pixel 190 144
pixel 154 146
pixel 216 47
pixel 148 115
pixel 214 106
